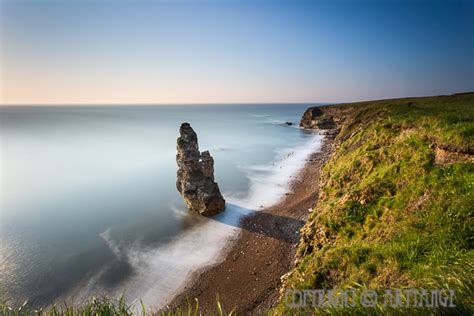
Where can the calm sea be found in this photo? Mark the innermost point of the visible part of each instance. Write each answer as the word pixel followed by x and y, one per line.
pixel 89 203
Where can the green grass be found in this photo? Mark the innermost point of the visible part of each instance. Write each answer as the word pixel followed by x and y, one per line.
pixel 389 216
pixel 96 306
pixel 106 306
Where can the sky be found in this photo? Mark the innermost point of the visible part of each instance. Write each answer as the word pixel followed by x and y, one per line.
pixel 230 51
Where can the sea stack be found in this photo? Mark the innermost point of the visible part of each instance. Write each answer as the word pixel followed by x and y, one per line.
pixel 195 177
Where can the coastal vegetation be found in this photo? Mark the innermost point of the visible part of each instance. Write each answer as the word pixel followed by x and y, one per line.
pixel 395 208
pixel 96 306
pixel 106 306
pixel 395 211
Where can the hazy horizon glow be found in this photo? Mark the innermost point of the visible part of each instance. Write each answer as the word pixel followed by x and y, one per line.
pixel 131 52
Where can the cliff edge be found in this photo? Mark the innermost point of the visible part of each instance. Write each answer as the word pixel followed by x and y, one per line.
pixel 395 205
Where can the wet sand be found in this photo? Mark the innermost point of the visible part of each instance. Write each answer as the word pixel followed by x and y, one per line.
pixel 249 277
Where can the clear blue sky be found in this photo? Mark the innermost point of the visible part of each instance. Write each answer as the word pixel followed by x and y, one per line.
pixel 112 51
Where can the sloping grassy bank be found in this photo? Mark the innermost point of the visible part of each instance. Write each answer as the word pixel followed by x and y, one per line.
pixel 396 204
pixel 395 211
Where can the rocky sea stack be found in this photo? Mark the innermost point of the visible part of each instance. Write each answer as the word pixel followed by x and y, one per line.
pixel 195 178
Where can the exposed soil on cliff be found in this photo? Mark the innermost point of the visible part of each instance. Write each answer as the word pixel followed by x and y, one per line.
pixel 249 277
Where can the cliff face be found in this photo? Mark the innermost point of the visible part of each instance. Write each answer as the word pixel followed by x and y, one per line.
pixel 395 200
pixel 329 119
pixel 195 177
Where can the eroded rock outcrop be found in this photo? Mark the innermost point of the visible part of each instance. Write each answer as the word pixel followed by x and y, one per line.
pixel 328 119
pixel 317 117
pixel 195 177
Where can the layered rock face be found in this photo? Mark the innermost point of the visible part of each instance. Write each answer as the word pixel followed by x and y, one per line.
pixel 316 117
pixel 195 177
pixel 326 118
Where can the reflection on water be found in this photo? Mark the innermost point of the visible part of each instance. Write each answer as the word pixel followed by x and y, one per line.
pixel 88 197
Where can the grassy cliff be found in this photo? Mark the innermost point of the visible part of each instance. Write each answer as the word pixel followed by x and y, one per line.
pixel 395 209
pixel 396 203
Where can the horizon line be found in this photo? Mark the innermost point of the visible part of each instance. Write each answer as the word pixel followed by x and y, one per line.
pixel 227 103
